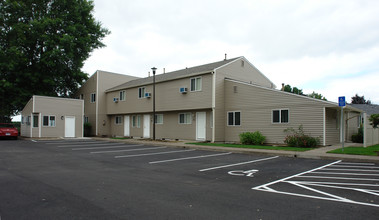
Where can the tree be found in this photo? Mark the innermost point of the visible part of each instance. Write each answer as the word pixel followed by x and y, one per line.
pixel 43 46
pixel 295 90
pixel 317 96
pixel 374 119
pixel 359 100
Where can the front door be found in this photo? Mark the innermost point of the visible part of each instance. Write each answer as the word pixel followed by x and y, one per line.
pixel 146 126
pixel 69 127
pixel 201 118
pixel 126 126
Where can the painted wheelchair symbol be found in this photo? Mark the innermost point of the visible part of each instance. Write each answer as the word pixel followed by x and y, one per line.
pixel 248 173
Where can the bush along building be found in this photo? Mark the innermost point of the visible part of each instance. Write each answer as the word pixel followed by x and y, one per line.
pixel 212 102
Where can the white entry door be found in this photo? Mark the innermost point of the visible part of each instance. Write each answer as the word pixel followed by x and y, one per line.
pixel 69 126
pixel 126 126
pixel 146 126
pixel 201 122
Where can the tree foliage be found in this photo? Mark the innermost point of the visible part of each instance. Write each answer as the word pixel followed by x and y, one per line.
pixel 317 96
pixel 43 46
pixel 374 119
pixel 295 90
pixel 359 100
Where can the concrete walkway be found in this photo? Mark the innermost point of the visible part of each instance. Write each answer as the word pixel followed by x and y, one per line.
pixel 319 153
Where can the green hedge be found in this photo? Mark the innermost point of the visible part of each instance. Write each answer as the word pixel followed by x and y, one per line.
pixel 250 138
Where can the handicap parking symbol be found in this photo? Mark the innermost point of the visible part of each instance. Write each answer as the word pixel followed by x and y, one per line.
pixel 248 173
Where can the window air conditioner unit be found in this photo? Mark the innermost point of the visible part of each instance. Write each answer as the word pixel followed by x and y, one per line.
pixel 183 90
pixel 115 100
pixel 147 94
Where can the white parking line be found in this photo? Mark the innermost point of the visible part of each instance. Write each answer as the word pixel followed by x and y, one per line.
pixel 188 158
pixel 165 152
pixel 339 178
pixel 336 185
pixel 99 144
pixel 360 170
pixel 371 164
pixel 115 151
pixel 109 147
pixel 357 174
pixel 356 166
pixel 236 164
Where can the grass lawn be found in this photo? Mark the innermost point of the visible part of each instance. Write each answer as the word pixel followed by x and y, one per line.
pixel 255 146
pixel 120 138
pixel 370 151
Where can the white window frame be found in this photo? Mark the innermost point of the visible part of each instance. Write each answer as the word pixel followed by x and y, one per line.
pixel 197 87
pixel 159 119
pixel 141 95
pixel 136 121
pixel 280 116
pixel 50 123
pixel 234 118
pixel 118 120
pixel 187 120
pixel 122 95
pixel 93 98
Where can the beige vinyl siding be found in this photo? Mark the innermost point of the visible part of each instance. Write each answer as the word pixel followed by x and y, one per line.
pixel 89 108
pixel 352 124
pixel 27 111
pixel 170 129
pixel 52 106
pixel 98 83
pixel 168 97
pixel 235 70
pixel 60 108
pixel 256 105
pixel 332 130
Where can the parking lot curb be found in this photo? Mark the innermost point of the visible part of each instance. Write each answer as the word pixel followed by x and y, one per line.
pixel 312 154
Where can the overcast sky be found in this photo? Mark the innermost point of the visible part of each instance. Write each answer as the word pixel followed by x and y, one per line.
pixel 331 47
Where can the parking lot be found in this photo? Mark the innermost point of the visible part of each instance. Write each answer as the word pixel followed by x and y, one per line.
pixel 88 179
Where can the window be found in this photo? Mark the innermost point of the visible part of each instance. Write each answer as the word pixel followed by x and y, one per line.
pixel 136 121
pixel 122 95
pixel 93 97
pixel 22 119
pixel 118 120
pixel 234 118
pixel 159 119
pixel 86 119
pixel 81 96
pixel 280 116
pixel 185 118
pixel 35 121
pixel 28 120
pixel 196 84
pixel 141 92
pixel 48 121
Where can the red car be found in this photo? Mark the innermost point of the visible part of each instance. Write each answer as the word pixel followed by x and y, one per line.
pixel 8 130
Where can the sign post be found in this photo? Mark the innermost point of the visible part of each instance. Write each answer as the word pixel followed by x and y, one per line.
pixel 342 103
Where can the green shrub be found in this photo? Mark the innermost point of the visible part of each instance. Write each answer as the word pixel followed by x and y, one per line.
pixel 297 138
pixel 358 138
pixel 250 138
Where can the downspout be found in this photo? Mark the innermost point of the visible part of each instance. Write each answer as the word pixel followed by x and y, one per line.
pixel 364 129
pixel 40 124
pixel 97 101
pixel 213 106
pixel 324 127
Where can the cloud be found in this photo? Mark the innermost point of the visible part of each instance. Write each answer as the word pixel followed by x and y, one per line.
pixel 322 46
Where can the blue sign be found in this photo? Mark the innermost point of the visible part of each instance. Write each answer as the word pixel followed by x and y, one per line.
pixel 341 101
